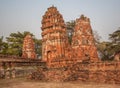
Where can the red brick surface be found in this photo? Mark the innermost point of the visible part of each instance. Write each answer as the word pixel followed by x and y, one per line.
pixel 28 50
pixel 56 50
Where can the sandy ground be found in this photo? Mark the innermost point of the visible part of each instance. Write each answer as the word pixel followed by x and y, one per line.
pixel 24 83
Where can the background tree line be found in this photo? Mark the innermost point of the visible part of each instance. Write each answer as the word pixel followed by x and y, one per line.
pixel 14 44
pixel 106 49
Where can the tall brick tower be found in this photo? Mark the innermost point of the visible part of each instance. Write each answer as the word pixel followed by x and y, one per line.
pixel 53 35
pixel 83 41
pixel 28 50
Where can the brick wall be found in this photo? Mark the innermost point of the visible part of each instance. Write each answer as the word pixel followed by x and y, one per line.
pixel 101 72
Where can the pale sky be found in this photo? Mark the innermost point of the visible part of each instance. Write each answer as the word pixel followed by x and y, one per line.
pixel 26 15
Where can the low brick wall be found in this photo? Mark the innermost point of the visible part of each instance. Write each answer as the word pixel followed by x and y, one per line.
pixel 12 68
pixel 16 72
pixel 101 72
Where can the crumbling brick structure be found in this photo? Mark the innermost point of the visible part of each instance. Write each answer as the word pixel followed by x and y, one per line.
pixel 83 43
pixel 78 61
pixel 54 35
pixel 28 50
pixel 55 47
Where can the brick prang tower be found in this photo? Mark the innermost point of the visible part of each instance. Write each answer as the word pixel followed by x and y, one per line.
pixel 53 35
pixel 28 50
pixel 83 41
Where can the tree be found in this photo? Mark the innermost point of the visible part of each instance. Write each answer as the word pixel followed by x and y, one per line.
pixel 3 46
pixel 104 51
pixel 108 49
pixel 15 43
pixel 1 43
pixel 70 29
pixel 38 47
pixel 115 41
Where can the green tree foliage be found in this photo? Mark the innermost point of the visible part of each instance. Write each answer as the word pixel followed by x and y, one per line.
pixel 3 46
pixel 104 51
pixel 70 29
pixel 15 43
pixel 108 49
pixel 1 43
pixel 38 47
pixel 115 41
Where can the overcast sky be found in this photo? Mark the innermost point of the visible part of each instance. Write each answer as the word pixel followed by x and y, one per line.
pixel 26 15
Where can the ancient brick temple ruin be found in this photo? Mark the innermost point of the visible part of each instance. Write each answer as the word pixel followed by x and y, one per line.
pixel 62 61
pixel 28 50
pixel 75 61
pixel 55 46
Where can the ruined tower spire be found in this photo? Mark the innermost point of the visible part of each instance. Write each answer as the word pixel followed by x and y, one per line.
pixel 28 50
pixel 83 41
pixel 53 34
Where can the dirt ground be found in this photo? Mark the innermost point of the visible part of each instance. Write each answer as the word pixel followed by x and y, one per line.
pixel 24 83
